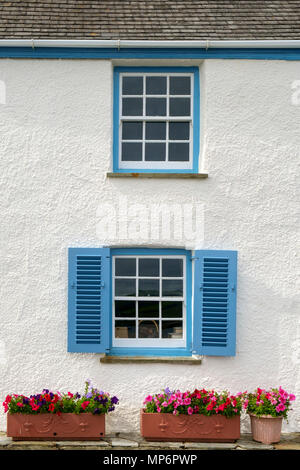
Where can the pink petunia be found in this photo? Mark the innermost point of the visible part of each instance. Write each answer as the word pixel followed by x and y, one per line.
pixel 190 410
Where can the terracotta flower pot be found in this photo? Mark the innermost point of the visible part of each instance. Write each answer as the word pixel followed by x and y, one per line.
pixel 197 428
pixel 46 426
pixel 266 429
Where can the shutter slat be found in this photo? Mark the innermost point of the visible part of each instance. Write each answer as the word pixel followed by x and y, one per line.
pixel 89 276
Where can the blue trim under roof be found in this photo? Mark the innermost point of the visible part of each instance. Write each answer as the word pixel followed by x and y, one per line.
pixel 149 53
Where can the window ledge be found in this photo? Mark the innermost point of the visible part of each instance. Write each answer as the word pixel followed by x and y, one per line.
pixel 187 360
pixel 157 175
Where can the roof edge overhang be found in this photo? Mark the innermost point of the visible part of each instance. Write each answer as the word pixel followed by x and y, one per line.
pixel 123 43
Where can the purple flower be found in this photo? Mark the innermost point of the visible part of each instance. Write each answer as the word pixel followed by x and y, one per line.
pixel 89 395
pixel 96 411
pixel 167 391
pixel 114 400
pixel 111 408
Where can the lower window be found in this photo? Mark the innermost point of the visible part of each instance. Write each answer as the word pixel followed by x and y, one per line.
pixel 149 301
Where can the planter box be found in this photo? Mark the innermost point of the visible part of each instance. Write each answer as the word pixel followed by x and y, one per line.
pixel 266 429
pixel 194 428
pixel 44 426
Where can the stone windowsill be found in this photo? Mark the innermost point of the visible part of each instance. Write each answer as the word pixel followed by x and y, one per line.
pixel 186 360
pixel 157 175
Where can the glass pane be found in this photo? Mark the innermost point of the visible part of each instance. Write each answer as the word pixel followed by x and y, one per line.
pixel 132 152
pixel 156 85
pixel 125 287
pixel 132 107
pixel 148 267
pixel 132 86
pixel 156 106
pixel 125 267
pixel 180 107
pixel 132 131
pixel 148 287
pixel 125 329
pixel 180 85
pixel 172 288
pixel 172 329
pixel 124 308
pixel 155 130
pixel 148 309
pixel 179 130
pixel 171 309
pixel 172 267
pixel 179 152
pixel 148 329
pixel 155 152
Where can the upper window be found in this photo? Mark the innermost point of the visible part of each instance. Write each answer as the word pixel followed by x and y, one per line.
pixel 156 119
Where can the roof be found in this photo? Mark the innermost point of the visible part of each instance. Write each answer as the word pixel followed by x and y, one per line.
pixel 150 19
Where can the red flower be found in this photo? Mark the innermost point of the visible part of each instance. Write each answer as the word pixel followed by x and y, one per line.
pixel 47 397
pixel 51 407
pixel 85 404
pixel 70 394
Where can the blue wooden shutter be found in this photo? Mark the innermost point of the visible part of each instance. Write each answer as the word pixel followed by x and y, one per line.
pixel 88 293
pixel 215 303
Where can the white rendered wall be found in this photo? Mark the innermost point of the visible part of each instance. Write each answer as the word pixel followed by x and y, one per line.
pixel 55 151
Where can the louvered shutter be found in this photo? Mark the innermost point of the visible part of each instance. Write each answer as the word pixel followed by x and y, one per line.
pixel 214 328
pixel 88 293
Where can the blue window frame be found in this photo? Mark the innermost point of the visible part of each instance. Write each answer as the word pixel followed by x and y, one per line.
pixel 147 261
pixel 156 119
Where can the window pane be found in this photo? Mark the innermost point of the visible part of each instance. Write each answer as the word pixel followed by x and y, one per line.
pixel 148 287
pixel 179 130
pixel 172 329
pixel 155 152
pixel 125 287
pixel 172 288
pixel 132 131
pixel 132 86
pixel 125 266
pixel 180 85
pixel 172 267
pixel 148 329
pixel 148 267
pixel 124 308
pixel 156 106
pixel 179 152
pixel 132 152
pixel 155 130
pixel 125 329
pixel 180 107
pixel 156 85
pixel 171 309
pixel 148 309
pixel 132 107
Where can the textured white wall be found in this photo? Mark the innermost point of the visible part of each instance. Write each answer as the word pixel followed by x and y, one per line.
pixel 55 148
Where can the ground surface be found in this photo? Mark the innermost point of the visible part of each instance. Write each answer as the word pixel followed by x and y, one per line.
pixel 135 441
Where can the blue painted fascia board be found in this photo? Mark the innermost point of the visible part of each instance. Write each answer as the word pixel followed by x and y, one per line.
pixel 150 53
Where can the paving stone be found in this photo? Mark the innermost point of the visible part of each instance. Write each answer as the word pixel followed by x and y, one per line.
pixel 210 445
pixel 85 444
pixel 4 441
pixel 119 442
